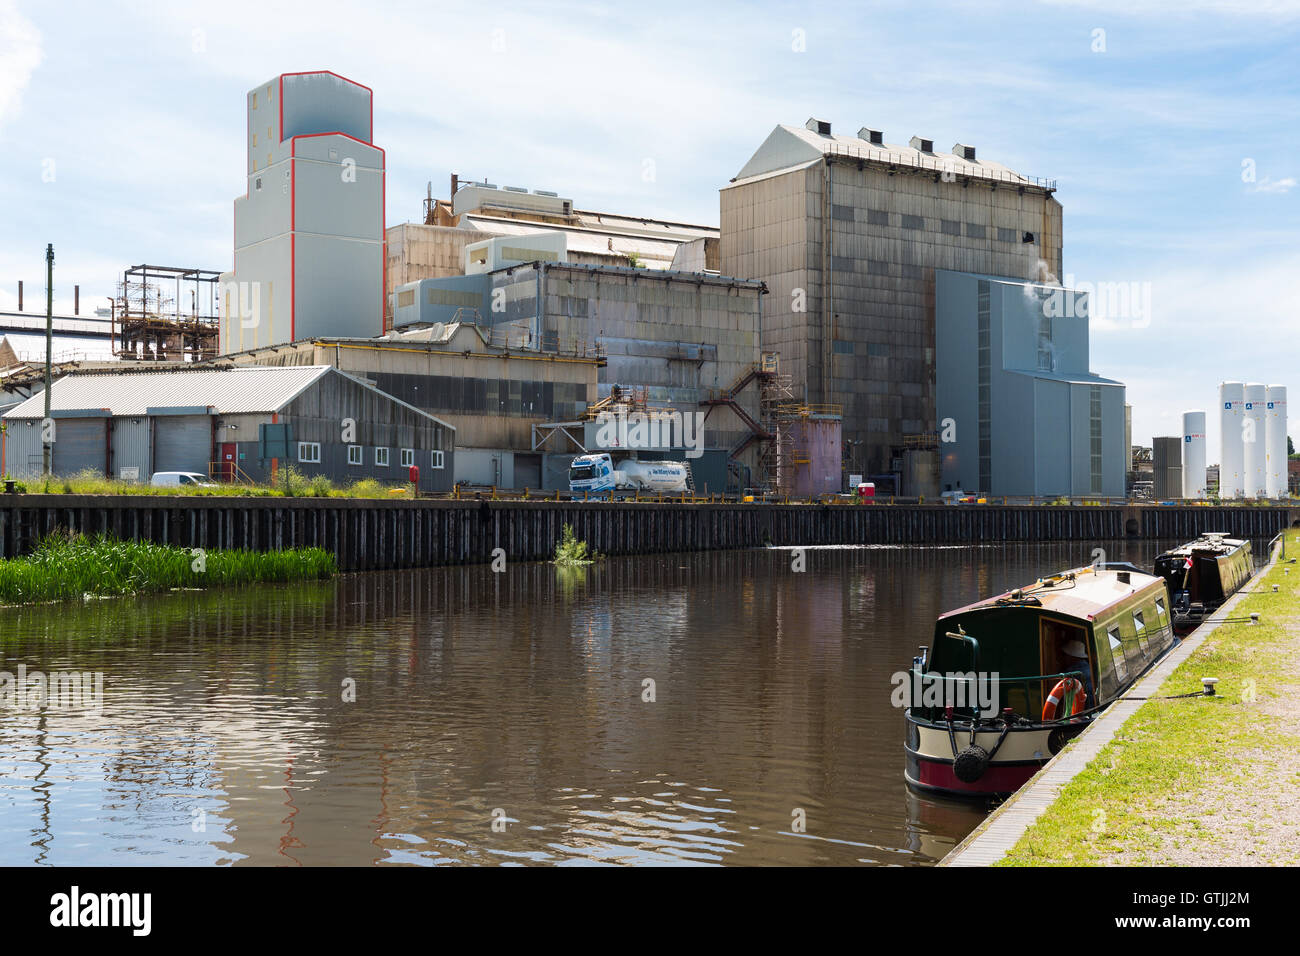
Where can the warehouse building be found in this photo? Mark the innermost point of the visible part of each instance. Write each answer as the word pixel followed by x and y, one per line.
pixel 847 231
pixel 1020 413
pixel 235 424
pixel 494 396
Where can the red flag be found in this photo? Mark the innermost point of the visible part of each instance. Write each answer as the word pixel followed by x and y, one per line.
pixel 1187 565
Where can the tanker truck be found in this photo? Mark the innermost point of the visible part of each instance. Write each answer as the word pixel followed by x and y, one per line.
pixel 600 473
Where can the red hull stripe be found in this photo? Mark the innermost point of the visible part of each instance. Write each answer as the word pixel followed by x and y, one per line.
pixel 1005 779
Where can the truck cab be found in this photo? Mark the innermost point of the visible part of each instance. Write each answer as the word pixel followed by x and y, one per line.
pixel 592 473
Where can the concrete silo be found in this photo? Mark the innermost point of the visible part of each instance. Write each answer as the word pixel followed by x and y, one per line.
pixel 1254 458
pixel 1194 454
pixel 1275 441
pixel 1231 409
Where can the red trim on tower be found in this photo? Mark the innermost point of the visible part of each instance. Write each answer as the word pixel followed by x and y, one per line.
pixel 293 241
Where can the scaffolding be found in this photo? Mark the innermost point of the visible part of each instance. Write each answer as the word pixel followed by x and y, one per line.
pixel 152 324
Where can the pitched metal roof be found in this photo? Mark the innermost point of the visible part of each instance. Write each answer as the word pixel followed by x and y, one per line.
pixel 227 390
pixel 789 147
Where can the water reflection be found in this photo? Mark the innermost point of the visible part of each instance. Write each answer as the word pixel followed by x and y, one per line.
pixel 228 734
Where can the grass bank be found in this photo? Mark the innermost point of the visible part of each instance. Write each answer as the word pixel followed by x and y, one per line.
pixel 69 567
pixel 291 483
pixel 1201 781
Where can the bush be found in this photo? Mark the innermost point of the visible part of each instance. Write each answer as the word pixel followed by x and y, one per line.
pixel 571 552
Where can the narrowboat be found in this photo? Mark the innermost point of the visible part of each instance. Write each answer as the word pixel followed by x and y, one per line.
pixel 1202 574
pixel 1010 679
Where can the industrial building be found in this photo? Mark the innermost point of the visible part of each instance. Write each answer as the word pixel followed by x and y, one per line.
pixel 848 233
pixel 685 342
pixel 309 232
pixel 1167 471
pixel 434 248
pixel 1019 410
pixel 234 424
pixel 493 396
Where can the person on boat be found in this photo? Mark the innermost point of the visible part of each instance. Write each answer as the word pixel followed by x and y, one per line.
pixel 1074 657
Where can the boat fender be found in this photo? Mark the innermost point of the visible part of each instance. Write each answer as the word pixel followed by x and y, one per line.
pixel 1070 687
pixel 971 763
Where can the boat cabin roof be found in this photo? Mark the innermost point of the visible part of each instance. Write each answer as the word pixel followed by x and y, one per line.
pixel 1081 593
pixel 1216 543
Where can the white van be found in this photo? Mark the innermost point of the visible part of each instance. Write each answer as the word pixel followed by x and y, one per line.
pixel 176 479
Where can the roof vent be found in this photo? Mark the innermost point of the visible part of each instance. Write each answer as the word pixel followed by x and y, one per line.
pixel 873 136
pixel 965 152
pixel 820 127
pixel 545 192
pixel 924 145
pixel 516 189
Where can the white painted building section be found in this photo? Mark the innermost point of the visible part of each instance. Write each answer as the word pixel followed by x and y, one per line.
pixel 1232 407
pixel 1194 454
pixel 1275 441
pixel 1254 453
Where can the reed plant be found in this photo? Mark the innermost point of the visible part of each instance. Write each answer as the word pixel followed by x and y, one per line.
pixel 65 567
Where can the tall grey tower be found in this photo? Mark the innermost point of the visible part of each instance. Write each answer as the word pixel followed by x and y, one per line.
pixel 309 233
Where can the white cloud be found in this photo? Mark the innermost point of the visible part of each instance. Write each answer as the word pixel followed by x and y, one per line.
pixel 20 55
pixel 1267 185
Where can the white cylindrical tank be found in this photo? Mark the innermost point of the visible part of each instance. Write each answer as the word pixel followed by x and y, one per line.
pixel 1194 454
pixel 1275 440
pixel 1231 407
pixel 1253 455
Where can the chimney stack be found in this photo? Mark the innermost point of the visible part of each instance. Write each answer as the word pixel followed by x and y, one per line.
pixel 20 295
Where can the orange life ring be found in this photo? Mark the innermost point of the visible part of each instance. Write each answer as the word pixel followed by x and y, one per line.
pixel 1064 687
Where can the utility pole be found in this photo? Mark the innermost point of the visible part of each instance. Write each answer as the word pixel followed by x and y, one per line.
pixel 49 350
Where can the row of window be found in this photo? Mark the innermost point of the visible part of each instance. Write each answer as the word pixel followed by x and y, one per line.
pixel 1129 654
pixel 309 454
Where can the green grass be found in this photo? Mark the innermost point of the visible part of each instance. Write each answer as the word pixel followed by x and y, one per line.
pixel 67 567
pixel 291 483
pixel 1177 762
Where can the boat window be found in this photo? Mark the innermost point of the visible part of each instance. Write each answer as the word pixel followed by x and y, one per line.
pixel 1117 653
pixel 1160 608
pixel 1140 626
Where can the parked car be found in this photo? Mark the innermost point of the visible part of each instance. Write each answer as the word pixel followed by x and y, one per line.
pixel 177 479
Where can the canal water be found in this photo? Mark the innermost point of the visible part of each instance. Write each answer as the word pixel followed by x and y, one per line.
pixel 710 708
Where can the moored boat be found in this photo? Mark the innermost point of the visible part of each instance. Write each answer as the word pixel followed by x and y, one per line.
pixel 1010 679
pixel 1202 574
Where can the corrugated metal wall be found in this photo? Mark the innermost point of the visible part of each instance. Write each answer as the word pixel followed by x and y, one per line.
pixel 131 446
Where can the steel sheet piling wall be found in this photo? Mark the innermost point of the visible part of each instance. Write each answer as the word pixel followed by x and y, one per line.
pixel 377 534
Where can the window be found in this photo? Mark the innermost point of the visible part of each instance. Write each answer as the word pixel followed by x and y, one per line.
pixel 1006 235
pixel 309 452
pixel 354 454
pixel 913 222
pixel 1117 653
pixel 437 459
pixel 381 457
pixel 408 457
pixel 1140 625
pixel 974 230
pixel 1160 608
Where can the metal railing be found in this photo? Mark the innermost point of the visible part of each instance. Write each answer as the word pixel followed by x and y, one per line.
pixel 940 166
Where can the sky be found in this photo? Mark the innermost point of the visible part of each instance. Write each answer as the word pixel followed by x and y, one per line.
pixel 1171 129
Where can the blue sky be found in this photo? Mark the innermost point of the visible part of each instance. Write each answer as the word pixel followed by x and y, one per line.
pixel 122 133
